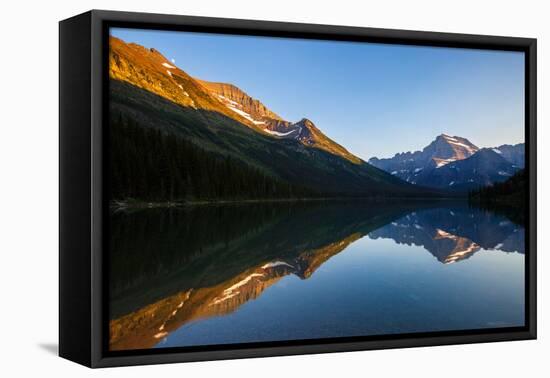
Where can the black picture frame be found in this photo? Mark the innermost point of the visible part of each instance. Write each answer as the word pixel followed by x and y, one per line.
pixel 83 97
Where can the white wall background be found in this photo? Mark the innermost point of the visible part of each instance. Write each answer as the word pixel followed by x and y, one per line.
pixel 29 174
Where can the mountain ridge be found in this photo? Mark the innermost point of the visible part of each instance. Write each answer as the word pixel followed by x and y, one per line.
pixel 148 91
pixel 167 80
pixel 483 168
pixel 441 151
pixel 455 163
pixel 230 91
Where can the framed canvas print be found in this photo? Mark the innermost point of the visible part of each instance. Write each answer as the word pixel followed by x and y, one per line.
pixel 233 188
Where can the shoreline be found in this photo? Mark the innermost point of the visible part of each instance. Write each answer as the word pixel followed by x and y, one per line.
pixel 138 204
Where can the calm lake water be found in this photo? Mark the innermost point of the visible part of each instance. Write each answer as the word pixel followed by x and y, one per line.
pixel 248 273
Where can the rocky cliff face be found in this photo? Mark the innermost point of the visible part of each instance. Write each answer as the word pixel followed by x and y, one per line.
pixel 231 95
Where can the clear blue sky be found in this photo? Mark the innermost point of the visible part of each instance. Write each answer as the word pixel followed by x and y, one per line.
pixel 374 99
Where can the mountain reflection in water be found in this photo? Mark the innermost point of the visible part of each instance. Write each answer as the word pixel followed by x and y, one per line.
pixel 173 268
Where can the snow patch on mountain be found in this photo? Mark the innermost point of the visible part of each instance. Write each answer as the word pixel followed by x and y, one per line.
pixel 457 255
pixel 231 291
pixel 277 133
pixel 444 234
pixel 236 107
pixel 241 112
pixel 449 138
pixel 242 282
pixel 276 263
pixel 233 103
pixel 442 162
pixel 468 148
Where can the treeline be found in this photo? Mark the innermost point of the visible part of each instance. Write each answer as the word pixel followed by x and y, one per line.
pixel 511 191
pixel 149 165
pixel 507 198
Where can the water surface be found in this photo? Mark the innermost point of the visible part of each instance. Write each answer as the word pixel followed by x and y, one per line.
pixel 209 275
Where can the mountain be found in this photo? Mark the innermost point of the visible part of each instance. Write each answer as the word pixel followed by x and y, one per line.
pixel 515 154
pixel 163 78
pixel 483 168
pixel 147 91
pixel 454 163
pixel 443 150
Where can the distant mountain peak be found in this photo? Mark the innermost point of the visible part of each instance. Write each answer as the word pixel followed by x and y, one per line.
pixel 453 162
pixel 514 153
pixel 488 152
pixel 446 149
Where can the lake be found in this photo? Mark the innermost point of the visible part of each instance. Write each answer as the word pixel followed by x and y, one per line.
pixel 219 274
